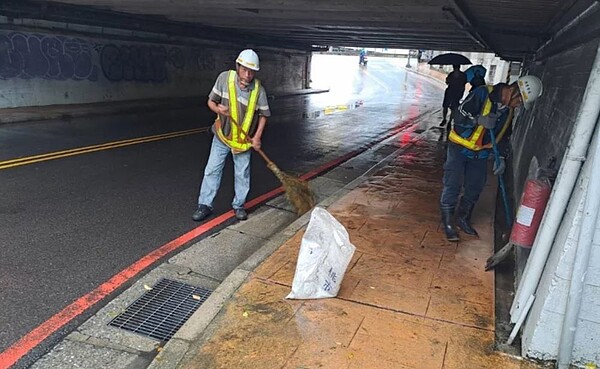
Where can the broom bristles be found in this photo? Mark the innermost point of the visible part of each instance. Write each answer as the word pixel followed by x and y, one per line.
pixel 296 190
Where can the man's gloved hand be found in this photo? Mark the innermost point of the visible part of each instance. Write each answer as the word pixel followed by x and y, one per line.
pixel 488 121
pixel 499 166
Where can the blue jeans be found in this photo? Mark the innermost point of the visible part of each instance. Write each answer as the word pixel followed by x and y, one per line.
pixel 461 172
pixel 214 171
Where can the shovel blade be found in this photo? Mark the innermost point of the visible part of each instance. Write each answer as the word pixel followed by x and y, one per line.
pixel 498 257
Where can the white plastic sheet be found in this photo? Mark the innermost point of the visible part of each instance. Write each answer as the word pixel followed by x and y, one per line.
pixel 325 253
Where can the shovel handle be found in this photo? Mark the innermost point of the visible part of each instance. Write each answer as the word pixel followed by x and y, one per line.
pixel 507 212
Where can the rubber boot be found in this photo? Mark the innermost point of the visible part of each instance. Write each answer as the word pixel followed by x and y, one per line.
pixel 464 218
pixel 448 222
pixel 444 113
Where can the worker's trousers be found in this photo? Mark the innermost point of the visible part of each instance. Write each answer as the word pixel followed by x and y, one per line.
pixel 462 173
pixel 214 171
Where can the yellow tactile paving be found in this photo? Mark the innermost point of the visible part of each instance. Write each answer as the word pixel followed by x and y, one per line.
pixel 409 300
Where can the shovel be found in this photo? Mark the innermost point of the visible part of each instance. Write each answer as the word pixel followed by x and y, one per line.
pixel 498 257
pixel 296 190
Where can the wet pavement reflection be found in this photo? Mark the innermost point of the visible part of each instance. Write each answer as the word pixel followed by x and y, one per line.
pixel 66 219
pixel 409 300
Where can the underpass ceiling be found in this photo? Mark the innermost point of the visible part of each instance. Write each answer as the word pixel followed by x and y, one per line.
pixel 510 28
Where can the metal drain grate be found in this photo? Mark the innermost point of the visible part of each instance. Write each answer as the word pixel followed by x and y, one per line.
pixel 160 312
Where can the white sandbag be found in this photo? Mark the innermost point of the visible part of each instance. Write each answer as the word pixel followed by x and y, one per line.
pixel 324 256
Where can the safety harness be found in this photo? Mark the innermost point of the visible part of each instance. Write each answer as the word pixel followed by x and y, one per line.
pixel 237 138
pixel 474 141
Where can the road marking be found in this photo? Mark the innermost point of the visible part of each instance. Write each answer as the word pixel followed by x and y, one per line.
pixel 88 149
pixel 25 344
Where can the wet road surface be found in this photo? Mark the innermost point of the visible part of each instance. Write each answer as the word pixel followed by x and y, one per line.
pixel 72 222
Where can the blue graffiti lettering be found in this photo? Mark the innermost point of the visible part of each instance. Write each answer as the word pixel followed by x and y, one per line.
pixel 139 63
pixel 204 60
pixel 176 58
pixel 49 57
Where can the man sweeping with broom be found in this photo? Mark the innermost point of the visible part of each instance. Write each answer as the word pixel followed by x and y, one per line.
pixel 236 97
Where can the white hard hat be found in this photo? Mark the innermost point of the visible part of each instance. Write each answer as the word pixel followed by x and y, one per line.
pixel 249 59
pixel 530 88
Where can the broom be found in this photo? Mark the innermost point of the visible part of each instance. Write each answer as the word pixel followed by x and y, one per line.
pixel 296 190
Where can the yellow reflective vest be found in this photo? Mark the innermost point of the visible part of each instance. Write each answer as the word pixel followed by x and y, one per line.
pixel 474 141
pixel 238 139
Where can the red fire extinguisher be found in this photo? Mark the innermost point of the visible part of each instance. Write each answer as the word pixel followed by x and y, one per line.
pixel 533 202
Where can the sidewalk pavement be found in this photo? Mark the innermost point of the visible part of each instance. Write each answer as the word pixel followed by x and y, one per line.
pixel 409 299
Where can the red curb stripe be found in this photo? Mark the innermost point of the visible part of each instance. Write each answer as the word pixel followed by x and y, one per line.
pixel 28 342
pixel 20 348
pixel 32 339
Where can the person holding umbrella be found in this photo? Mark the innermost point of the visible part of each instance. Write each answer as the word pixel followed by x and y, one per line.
pixel 487 112
pixel 456 81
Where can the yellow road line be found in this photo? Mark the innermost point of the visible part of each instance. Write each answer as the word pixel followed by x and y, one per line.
pixel 87 149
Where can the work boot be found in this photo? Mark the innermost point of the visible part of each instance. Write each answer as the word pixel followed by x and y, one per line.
pixel 240 214
pixel 443 122
pixel 201 213
pixel 463 221
pixel 448 222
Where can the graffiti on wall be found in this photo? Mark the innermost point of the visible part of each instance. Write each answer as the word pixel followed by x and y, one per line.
pixel 141 63
pixel 48 57
pixel 30 56
pixel 204 60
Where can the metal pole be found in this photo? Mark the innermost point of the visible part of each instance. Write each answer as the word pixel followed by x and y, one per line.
pixel 581 263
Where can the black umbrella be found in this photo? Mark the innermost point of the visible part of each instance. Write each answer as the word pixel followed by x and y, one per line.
pixel 450 59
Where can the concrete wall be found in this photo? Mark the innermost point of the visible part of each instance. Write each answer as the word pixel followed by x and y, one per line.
pixel 43 67
pixel 542 134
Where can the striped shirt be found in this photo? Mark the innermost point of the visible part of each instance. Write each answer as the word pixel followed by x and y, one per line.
pixel 220 95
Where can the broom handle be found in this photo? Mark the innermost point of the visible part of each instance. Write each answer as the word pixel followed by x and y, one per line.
pixel 262 153
pixel 264 156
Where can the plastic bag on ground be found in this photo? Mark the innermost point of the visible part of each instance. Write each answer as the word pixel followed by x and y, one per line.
pixel 325 253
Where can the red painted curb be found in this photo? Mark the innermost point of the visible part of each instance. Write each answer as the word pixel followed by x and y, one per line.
pixel 28 342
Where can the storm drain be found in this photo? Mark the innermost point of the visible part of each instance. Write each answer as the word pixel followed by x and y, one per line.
pixel 161 311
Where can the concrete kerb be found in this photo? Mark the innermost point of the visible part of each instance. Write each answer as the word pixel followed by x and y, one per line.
pixel 96 344
pixel 191 334
pixel 307 91
pixel 175 350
